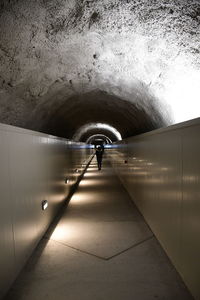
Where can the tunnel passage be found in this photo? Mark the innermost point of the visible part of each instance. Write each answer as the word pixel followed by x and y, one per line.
pixel 92 130
pixel 92 134
pixel 128 117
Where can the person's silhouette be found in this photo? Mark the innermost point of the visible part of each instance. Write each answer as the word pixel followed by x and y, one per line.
pixel 99 155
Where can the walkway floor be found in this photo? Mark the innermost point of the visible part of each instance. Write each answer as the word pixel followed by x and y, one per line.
pixel 100 249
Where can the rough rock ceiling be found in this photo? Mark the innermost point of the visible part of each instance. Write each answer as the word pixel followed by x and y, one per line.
pixel 131 64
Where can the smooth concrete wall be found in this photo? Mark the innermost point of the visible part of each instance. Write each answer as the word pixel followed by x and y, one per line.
pixel 33 167
pixel 161 172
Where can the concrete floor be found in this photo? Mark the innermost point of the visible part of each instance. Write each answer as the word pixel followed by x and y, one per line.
pixel 99 249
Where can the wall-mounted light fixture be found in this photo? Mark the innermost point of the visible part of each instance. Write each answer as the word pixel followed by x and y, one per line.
pixel 77 170
pixel 44 204
pixel 66 180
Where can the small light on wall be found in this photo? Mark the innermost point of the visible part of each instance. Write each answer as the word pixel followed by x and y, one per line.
pixel 66 180
pixel 44 204
pixel 77 170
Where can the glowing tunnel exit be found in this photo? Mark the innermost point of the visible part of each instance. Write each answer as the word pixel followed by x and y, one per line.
pixel 89 132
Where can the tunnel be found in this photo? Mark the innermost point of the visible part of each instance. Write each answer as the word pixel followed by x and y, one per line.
pixel 93 107
pixel 124 74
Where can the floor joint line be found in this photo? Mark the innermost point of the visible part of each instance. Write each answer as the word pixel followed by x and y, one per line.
pixel 100 257
pixel 77 249
pixel 131 247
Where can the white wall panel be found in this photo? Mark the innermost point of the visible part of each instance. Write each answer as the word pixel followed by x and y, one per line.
pixel 190 221
pixel 21 149
pixel 33 168
pixel 162 175
pixel 6 234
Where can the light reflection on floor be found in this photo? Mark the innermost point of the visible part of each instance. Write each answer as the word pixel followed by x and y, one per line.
pixel 97 211
pixel 62 231
pixel 82 198
pixel 89 182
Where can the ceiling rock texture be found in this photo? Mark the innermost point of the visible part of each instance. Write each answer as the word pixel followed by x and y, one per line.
pixel 131 64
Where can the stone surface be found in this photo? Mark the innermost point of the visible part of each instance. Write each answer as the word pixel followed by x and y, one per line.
pixel 143 51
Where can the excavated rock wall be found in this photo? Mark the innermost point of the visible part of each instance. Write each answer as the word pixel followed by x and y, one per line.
pixel 146 52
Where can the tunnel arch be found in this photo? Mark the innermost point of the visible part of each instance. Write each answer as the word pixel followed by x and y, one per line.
pixel 52 52
pixel 84 132
pixel 63 115
pixel 92 139
pixel 94 132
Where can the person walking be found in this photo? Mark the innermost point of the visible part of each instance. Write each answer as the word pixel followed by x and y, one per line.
pixel 99 155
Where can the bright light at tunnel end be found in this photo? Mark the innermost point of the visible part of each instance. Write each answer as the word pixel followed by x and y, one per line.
pixel 110 128
pixel 87 127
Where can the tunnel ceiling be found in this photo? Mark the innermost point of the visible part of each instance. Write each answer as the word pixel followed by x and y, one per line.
pixel 131 64
pixel 128 117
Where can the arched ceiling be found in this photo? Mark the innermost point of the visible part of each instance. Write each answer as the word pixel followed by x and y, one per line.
pixel 90 130
pixel 128 117
pixel 96 139
pixel 131 64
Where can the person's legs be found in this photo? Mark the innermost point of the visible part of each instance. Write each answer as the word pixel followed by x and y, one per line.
pixel 99 162
pixel 97 156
